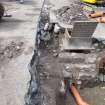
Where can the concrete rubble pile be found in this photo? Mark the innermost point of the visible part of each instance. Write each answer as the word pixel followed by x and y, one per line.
pixel 68 14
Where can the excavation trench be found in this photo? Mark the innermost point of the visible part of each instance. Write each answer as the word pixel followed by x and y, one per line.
pixel 46 70
pixel 46 74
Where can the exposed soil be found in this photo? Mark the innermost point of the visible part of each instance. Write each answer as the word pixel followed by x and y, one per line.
pixel 50 72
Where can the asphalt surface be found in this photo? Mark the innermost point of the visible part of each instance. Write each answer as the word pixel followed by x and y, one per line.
pixel 17 39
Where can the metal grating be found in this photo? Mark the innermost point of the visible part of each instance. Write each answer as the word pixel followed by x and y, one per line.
pixel 83 28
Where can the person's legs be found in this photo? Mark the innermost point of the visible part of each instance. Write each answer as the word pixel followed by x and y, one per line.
pixel 21 1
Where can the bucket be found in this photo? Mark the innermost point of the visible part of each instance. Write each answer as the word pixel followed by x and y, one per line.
pixel 90 1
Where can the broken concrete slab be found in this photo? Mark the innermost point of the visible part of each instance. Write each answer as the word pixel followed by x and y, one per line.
pixel 99 33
